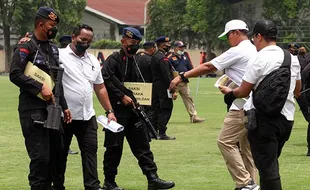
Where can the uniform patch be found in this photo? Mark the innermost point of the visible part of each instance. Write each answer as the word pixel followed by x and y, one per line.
pixel 174 58
pixel 23 53
pixel 52 16
pixel 24 50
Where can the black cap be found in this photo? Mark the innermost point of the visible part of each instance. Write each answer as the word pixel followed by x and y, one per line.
pixel 65 38
pixel 48 13
pixel 293 45
pixel 179 44
pixel 266 28
pixel 149 44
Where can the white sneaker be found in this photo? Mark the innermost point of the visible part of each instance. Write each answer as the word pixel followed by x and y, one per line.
pixel 251 186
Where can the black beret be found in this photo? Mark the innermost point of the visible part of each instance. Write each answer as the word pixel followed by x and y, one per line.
pixel 163 39
pixel 48 13
pixel 65 38
pixel 148 44
pixel 132 33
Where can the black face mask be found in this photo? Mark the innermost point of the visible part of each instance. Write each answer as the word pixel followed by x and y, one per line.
pixel 53 33
pixel 132 49
pixel 81 47
pixel 167 48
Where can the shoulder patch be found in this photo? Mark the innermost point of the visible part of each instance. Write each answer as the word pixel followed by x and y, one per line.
pixel 174 58
pixel 24 50
pixel 166 59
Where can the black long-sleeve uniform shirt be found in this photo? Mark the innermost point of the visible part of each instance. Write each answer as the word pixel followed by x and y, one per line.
pixel 161 72
pixel 144 62
pixel 29 88
pixel 124 69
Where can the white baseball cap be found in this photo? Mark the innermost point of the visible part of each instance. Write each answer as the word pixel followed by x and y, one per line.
pixel 233 25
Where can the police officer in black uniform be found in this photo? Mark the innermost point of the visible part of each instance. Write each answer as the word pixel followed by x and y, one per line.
pixel 122 67
pixel 43 144
pixel 162 76
pixel 144 62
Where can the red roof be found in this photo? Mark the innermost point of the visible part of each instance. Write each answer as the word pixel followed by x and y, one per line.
pixel 131 12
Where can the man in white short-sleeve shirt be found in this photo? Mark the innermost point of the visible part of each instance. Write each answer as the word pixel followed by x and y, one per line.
pixel 268 139
pixel 234 62
pixel 82 76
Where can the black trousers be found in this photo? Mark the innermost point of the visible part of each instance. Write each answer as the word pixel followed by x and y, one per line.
pixel 86 135
pixel 162 107
pixel 138 140
pixel 303 105
pixel 266 142
pixel 44 147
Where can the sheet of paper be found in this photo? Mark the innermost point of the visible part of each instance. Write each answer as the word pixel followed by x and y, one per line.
pixel 169 94
pixel 39 75
pixel 112 126
pixel 224 80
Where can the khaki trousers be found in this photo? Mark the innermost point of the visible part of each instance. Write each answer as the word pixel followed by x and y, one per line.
pixel 239 160
pixel 184 91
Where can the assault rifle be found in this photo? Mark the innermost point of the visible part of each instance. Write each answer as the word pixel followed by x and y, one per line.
pixel 140 112
pixel 53 120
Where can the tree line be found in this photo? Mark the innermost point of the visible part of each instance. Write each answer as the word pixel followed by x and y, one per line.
pixel 199 22
pixel 196 22
pixel 17 17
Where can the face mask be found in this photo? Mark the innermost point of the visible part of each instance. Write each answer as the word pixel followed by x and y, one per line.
pixel 132 49
pixel 167 48
pixel 51 33
pixel 81 47
pixel 180 52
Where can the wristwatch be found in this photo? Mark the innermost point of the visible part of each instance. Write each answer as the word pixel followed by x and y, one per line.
pixel 109 111
pixel 182 76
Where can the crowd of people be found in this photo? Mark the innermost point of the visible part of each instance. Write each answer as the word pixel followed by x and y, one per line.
pixel 247 62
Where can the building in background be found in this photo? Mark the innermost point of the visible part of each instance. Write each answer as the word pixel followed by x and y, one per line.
pixel 108 18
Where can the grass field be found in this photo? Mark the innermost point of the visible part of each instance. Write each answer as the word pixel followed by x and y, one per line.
pixel 193 161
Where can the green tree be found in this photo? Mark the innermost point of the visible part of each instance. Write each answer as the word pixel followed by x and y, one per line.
pixel 155 18
pixel 167 18
pixel 207 18
pixel 17 17
pixel 7 8
pixel 291 18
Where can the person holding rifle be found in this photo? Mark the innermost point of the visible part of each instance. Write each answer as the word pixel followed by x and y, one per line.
pixel 122 67
pixel 39 55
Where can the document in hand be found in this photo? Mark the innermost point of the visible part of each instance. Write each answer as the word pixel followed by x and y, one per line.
pixel 39 75
pixel 112 126
pixel 224 80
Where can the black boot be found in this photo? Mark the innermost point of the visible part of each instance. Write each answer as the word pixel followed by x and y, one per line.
pixel 155 183
pixel 308 154
pixel 40 187
pixel 108 185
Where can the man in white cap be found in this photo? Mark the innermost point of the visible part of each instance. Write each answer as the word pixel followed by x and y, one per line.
pixel 234 61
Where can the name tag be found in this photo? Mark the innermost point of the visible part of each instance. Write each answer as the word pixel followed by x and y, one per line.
pixel 141 91
pixel 39 75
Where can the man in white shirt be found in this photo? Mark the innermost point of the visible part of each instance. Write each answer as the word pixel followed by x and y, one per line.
pixel 82 76
pixel 268 139
pixel 234 62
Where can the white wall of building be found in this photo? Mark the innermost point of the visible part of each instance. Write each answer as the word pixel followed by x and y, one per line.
pixel 102 29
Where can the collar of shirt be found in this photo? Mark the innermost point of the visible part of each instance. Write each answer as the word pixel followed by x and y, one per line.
pixel 270 48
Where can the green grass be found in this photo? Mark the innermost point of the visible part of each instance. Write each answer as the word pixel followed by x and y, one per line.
pixel 193 161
